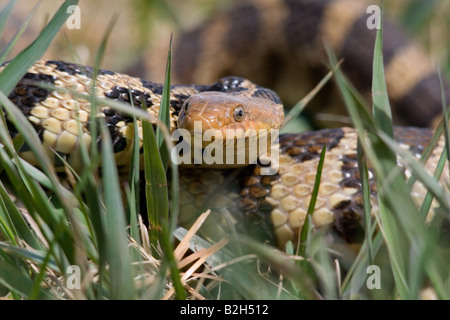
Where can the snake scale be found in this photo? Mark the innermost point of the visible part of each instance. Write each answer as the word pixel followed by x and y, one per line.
pixel 274 204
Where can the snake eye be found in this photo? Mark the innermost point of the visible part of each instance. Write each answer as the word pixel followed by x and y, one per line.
pixel 239 113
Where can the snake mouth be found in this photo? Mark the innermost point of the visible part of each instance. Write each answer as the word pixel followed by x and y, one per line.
pixel 228 130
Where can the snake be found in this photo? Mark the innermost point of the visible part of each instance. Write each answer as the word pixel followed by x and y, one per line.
pixel 274 206
pixel 281 44
pixel 55 114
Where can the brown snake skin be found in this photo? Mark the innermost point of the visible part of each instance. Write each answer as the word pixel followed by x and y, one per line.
pixel 283 48
pixel 275 204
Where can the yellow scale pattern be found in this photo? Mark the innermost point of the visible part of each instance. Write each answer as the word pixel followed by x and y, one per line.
pixel 291 194
pixel 58 113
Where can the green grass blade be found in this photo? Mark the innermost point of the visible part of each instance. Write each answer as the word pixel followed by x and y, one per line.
pixel 365 183
pixel 18 281
pixel 164 110
pixel 387 163
pixel 426 204
pixel 14 219
pixel 36 256
pixel 307 226
pixel 156 192
pixel 174 199
pixel 133 204
pixel 445 113
pixel 381 108
pixel 418 171
pixel 155 181
pixel 47 259
pixel 15 70
pixel 401 224
pixel 156 157
pixel 118 255
pixel 18 119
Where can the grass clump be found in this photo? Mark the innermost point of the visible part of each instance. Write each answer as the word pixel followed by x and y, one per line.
pixel 97 226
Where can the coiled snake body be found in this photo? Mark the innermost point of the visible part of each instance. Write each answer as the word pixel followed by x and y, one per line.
pixel 274 203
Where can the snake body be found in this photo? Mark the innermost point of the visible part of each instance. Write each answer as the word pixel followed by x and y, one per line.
pixel 281 45
pixel 252 40
pixel 274 207
pixel 275 204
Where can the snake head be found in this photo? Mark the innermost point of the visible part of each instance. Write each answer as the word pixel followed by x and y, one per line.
pixel 231 116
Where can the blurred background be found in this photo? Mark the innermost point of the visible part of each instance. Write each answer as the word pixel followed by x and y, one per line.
pixel 141 31
pixel 139 26
pixel 143 27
